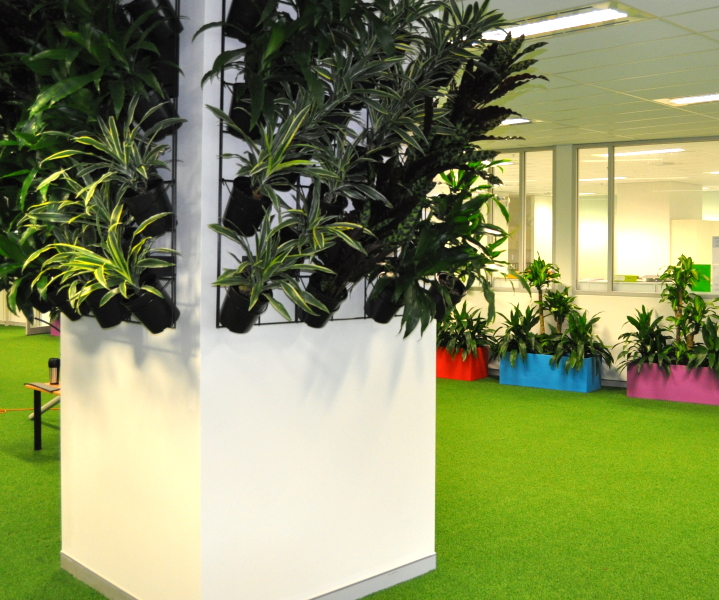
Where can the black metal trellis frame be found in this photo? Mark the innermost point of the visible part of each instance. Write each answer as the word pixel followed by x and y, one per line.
pixel 225 183
pixel 168 283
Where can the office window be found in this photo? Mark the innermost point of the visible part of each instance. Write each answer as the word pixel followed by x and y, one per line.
pixel 665 204
pixel 593 219
pixel 527 193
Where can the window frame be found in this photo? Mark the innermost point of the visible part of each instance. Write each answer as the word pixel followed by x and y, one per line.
pixel 610 146
pixel 499 282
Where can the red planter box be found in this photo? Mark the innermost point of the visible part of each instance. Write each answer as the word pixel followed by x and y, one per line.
pixel 698 386
pixel 455 368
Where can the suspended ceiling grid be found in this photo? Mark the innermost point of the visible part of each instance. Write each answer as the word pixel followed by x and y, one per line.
pixel 604 83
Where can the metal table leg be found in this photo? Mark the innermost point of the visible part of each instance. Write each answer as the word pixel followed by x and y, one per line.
pixel 38 420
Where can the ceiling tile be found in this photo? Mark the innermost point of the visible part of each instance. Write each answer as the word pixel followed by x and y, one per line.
pixel 645 68
pixel 664 8
pixel 661 48
pixel 661 80
pixel 700 20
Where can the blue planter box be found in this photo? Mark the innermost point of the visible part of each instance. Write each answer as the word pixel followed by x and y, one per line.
pixel 537 372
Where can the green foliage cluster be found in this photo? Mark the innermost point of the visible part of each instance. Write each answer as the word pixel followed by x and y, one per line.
pixel 651 341
pixel 464 330
pixel 70 70
pixel 375 103
pixel 577 343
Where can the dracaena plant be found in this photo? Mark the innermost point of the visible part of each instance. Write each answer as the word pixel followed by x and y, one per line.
pixel 559 304
pixel 116 264
pixel 89 61
pixel 127 156
pixel 541 275
pixel 269 263
pixel 464 331
pixel 677 281
pixel 580 342
pixel 707 353
pixel 517 339
pixel 280 151
pixel 649 343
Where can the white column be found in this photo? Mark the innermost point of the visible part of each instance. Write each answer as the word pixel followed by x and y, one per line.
pixel 283 464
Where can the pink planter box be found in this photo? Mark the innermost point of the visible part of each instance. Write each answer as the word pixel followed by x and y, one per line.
pixel 698 386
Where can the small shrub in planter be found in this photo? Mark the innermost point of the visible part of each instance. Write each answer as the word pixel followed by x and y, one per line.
pixel 570 361
pixel 681 369
pixel 463 342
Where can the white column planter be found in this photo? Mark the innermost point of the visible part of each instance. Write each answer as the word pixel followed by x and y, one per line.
pixel 284 464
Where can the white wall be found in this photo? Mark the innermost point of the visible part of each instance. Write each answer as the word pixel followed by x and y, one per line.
pixel 318 458
pixel 131 414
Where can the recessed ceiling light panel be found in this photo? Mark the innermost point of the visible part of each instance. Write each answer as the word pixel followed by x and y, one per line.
pixel 689 100
pixel 564 21
pixel 515 121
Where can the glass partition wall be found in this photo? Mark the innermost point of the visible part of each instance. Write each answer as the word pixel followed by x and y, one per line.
pixel 665 204
pixel 527 193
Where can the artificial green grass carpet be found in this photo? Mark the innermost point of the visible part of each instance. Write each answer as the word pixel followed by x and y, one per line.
pixel 540 494
pixel 559 495
pixel 29 480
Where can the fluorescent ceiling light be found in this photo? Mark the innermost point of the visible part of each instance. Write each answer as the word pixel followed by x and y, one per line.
pixel 691 100
pixel 713 172
pixel 588 194
pixel 706 188
pixel 643 152
pixel 540 27
pixel 515 121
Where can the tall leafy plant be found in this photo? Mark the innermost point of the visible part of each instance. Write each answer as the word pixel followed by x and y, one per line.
pixel 541 275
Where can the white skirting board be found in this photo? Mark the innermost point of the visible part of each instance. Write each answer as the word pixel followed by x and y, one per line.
pixel 351 592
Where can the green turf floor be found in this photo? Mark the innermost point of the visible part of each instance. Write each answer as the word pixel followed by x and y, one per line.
pixel 29 480
pixel 570 496
pixel 539 494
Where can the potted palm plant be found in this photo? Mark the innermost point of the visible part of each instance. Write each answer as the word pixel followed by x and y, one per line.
pixel 463 342
pixel 678 367
pixel 570 361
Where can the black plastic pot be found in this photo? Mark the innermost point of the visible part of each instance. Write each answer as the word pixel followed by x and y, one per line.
pixel 236 314
pixel 243 19
pixel 155 313
pixel 244 212
pixel 333 209
pixel 60 300
pixel 381 308
pixel 111 314
pixel 320 320
pixel 39 304
pixel 457 291
pixel 240 112
pixel 152 202
pixel 163 20
pixel 166 111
